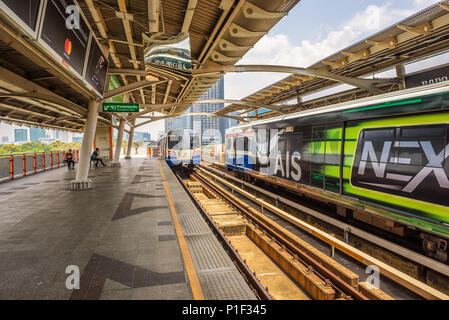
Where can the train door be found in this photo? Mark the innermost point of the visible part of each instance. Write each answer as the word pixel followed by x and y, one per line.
pixel 241 155
pixel 195 147
pixel 230 151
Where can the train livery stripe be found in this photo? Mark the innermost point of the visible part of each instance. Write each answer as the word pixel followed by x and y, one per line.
pixel 405 173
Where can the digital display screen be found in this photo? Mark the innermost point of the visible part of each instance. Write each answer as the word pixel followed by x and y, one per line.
pixel 68 39
pixel 26 10
pixel 97 67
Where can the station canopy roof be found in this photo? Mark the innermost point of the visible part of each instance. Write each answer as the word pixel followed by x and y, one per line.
pixel 37 90
pixel 421 35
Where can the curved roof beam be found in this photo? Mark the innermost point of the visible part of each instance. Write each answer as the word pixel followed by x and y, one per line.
pixel 154 107
pixel 368 84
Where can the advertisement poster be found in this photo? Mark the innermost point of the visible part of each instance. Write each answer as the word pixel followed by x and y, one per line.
pixel 67 40
pixel 26 10
pixel 97 67
pixel 428 77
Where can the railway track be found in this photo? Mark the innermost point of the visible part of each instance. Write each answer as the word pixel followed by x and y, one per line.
pixel 258 245
pixel 421 268
pixel 332 275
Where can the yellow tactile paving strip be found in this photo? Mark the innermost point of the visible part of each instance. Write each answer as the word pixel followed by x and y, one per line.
pixel 195 285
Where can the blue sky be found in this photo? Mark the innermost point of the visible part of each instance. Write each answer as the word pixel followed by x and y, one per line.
pixel 313 19
pixel 315 29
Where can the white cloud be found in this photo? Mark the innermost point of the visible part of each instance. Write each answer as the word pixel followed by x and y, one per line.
pixel 278 49
pixel 421 4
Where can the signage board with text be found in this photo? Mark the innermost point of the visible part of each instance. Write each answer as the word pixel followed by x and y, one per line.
pixel 120 107
pixel 435 75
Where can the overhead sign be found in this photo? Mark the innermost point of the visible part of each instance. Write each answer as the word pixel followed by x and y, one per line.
pixel 65 34
pixel 25 13
pixel 428 77
pixel 97 67
pixel 121 107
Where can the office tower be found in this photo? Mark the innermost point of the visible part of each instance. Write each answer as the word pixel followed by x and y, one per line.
pixel 184 122
pixel 212 130
pixel 20 135
pixel 36 134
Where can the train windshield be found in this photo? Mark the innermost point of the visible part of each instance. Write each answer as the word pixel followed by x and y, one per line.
pixel 174 141
pixel 194 141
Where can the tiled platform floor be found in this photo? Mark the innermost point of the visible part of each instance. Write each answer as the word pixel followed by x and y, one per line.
pixel 120 235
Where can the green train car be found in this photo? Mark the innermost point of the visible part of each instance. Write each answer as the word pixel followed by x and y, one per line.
pixel 389 152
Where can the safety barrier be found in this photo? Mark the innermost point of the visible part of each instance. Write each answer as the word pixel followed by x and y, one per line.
pixel 152 152
pixel 20 165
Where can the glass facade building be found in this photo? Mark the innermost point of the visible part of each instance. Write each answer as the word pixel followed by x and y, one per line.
pixel 20 135
pixel 36 134
pixel 212 130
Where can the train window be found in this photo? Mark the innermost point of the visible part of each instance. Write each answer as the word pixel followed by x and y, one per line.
pixel 241 143
pixel 174 141
pixel 282 145
pixel 319 133
pixel 194 141
pixel 379 134
pixel 411 166
pixel 419 132
pixel 229 144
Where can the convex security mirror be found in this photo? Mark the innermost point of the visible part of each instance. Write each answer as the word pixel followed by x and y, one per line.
pixel 167 56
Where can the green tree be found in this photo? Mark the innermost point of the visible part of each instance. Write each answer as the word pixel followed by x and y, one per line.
pixel 34 147
pixel 137 145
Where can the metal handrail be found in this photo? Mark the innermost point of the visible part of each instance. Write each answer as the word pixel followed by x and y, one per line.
pixel 25 156
pixel 31 153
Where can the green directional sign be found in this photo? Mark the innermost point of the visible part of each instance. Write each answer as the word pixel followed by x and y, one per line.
pixel 120 107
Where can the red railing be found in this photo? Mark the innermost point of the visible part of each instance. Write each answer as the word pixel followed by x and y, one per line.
pixel 38 164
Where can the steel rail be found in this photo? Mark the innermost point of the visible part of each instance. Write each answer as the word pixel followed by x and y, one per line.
pixel 385 244
pixel 395 275
pixel 289 243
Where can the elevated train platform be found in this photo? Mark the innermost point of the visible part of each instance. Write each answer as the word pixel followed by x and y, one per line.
pixel 135 230
pixel 122 235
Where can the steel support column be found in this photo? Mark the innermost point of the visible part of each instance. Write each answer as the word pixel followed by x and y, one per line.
pixel 118 145
pixel 130 141
pixel 82 181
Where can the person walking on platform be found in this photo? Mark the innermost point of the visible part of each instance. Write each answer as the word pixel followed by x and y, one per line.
pixel 96 157
pixel 69 159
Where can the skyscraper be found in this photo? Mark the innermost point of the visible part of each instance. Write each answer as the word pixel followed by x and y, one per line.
pixel 212 130
pixel 36 134
pixel 184 122
pixel 62 136
pixel 20 135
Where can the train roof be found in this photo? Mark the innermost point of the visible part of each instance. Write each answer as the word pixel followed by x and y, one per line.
pixel 365 102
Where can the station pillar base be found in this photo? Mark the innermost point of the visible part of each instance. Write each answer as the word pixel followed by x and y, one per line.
pixel 81 185
pixel 127 157
pixel 116 164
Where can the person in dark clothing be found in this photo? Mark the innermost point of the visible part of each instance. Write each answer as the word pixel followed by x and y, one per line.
pixel 69 159
pixel 96 157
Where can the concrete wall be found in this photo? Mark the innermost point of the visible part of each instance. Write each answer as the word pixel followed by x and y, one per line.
pixel 103 141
